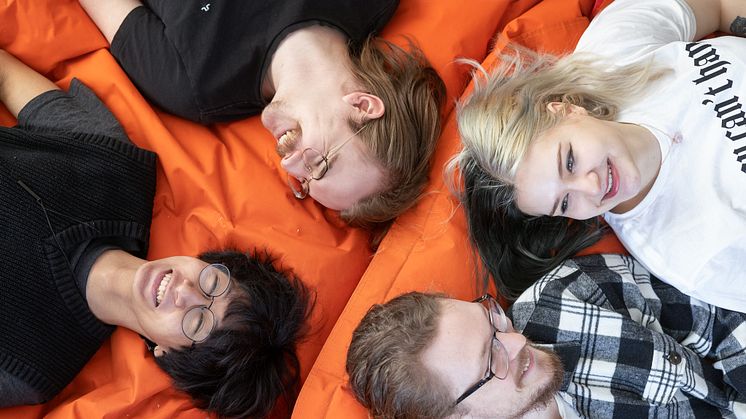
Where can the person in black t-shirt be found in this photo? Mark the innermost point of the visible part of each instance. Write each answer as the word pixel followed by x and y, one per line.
pixel 76 199
pixel 355 117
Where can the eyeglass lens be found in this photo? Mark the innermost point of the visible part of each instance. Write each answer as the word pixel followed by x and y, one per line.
pixel 315 162
pixel 198 322
pixel 499 360
pixel 299 187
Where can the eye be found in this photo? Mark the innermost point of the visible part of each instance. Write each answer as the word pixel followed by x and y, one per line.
pixel 570 160
pixel 564 204
pixel 194 322
pixel 210 284
pixel 199 323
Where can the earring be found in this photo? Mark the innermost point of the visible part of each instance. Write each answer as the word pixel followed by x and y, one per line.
pixel 158 351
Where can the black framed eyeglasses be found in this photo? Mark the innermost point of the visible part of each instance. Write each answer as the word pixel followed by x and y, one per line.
pixel 199 321
pixel 316 164
pixel 498 361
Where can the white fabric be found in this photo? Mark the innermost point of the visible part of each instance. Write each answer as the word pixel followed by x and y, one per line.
pixel 690 230
pixel 565 409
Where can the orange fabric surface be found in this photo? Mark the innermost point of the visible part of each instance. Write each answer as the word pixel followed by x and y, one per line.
pixel 222 186
pixel 427 249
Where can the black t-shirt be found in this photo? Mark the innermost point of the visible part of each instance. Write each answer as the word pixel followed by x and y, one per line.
pixel 220 50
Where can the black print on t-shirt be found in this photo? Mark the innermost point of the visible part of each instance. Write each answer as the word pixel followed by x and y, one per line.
pixel 713 71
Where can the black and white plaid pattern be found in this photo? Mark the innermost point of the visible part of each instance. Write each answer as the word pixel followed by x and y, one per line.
pixel 634 347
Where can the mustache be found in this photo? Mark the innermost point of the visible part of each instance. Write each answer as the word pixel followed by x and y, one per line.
pixel 287 143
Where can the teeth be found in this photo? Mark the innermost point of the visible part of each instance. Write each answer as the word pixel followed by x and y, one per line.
pixel 286 136
pixel 162 288
pixel 609 180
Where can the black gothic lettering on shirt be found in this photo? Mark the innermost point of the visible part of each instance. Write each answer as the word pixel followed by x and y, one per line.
pixel 712 71
pixel 713 92
pixel 728 109
pixel 741 153
pixel 738 26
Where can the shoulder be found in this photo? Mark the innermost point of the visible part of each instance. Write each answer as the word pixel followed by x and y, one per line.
pixel 634 28
pixel 586 286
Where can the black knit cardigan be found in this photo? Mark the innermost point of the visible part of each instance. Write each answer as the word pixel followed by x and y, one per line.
pixel 56 192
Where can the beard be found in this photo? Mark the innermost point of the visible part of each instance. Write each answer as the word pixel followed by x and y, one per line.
pixel 541 397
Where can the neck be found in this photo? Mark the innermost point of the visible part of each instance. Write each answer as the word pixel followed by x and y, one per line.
pixel 109 288
pixel 311 56
pixel 643 143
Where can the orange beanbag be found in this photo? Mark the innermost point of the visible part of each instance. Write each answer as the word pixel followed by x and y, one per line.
pixel 427 249
pixel 222 186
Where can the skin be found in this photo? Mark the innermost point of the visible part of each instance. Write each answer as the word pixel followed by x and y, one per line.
pixel 458 356
pixel 121 291
pixel 314 94
pixel 541 188
pixel 566 169
pixel 121 287
pixel 19 83
pixel 318 118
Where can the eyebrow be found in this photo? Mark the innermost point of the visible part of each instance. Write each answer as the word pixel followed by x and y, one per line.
pixel 559 175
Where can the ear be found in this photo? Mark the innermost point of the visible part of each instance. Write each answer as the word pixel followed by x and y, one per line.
pixel 369 106
pixel 566 109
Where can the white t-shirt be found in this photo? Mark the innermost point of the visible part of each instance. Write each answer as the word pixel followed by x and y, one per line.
pixel 690 229
pixel 564 407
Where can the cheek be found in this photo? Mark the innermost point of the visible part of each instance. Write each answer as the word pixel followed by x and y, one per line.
pixel 166 331
pixel 328 196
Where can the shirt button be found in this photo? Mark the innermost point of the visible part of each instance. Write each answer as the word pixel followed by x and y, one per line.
pixel 674 357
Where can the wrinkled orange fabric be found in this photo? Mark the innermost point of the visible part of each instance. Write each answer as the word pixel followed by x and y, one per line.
pixel 427 248
pixel 222 186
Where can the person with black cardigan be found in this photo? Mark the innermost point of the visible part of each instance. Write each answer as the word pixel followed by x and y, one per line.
pixel 76 200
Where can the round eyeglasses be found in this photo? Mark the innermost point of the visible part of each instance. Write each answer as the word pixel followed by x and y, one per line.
pixel 316 164
pixel 498 361
pixel 199 321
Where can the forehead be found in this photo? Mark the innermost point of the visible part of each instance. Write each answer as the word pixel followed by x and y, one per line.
pixel 457 354
pixel 537 175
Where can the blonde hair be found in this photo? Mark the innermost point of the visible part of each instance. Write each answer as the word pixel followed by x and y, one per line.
pixel 509 106
pixel 506 111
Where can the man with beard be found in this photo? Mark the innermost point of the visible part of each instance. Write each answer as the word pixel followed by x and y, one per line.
pixel 597 337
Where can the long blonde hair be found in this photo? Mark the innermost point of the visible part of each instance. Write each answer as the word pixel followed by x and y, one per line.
pixel 508 106
pixel 506 111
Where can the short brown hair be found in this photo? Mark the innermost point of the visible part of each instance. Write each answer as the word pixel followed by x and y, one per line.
pixel 386 373
pixel 403 139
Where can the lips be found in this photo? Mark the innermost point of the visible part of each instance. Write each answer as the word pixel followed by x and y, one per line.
pixel 612 181
pixel 527 362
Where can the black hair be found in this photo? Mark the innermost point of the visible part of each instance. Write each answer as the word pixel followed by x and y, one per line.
pixel 514 248
pixel 250 361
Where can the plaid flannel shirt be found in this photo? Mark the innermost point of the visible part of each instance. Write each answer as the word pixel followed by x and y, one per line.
pixel 634 347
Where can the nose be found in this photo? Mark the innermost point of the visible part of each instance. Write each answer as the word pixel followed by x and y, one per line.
pixel 588 184
pixel 188 295
pixel 293 164
pixel 513 342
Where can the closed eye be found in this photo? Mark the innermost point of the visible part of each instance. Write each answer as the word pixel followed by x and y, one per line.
pixel 570 166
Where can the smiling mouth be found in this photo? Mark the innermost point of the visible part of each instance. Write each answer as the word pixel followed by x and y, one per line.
pixel 286 142
pixel 161 291
pixel 611 188
pixel 526 362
